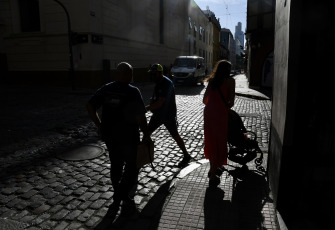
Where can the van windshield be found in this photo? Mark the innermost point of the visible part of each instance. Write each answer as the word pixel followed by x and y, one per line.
pixel 185 62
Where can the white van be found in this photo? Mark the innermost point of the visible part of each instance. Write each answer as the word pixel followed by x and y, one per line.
pixel 188 70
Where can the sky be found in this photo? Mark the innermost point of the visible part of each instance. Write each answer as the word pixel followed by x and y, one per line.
pixel 230 12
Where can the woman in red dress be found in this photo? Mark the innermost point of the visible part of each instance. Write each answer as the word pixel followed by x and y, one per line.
pixel 216 117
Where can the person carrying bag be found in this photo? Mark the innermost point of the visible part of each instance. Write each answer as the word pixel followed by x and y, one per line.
pixel 216 113
pixel 145 154
pixel 122 116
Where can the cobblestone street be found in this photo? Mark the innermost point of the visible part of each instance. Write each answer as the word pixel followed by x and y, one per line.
pixel 39 190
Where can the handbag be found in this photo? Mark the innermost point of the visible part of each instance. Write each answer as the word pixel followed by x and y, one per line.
pixel 145 154
pixel 224 99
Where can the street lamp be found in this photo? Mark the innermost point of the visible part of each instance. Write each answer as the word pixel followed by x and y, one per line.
pixel 70 44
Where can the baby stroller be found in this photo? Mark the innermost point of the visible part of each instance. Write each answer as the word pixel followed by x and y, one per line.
pixel 242 149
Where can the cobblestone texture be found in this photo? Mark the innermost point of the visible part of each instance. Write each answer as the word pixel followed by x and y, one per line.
pixel 39 190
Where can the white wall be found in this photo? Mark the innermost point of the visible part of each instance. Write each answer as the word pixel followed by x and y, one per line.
pixel 130 31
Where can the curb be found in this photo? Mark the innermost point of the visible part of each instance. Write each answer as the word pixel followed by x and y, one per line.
pixel 253 96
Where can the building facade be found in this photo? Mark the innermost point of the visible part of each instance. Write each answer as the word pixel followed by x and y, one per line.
pixel 260 42
pixel 228 41
pixel 239 39
pixel 36 46
pixel 216 27
pixel 200 35
pixel 301 170
pixel 302 150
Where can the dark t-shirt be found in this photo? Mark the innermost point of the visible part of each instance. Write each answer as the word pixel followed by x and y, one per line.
pixel 121 103
pixel 165 89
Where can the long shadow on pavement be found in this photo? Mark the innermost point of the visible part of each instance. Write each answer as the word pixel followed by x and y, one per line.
pixel 147 219
pixel 250 193
pixel 244 210
pixel 217 211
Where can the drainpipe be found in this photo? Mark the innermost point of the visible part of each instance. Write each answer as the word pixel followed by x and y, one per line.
pixel 70 44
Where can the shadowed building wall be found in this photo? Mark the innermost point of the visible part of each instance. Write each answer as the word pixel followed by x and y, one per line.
pixel 301 158
pixel 106 33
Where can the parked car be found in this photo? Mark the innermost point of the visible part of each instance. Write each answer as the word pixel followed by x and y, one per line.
pixel 188 70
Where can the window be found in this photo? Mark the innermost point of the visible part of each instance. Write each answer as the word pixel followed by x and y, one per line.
pixel 200 33
pixel 190 22
pixel 29 15
pixel 185 62
pixel 195 29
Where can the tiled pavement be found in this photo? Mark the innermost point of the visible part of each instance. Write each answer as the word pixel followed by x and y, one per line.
pixel 241 201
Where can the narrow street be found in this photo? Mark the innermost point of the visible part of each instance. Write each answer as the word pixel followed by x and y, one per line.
pixel 39 189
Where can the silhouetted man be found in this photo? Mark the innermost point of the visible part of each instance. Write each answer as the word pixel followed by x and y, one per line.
pixel 123 113
pixel 164 109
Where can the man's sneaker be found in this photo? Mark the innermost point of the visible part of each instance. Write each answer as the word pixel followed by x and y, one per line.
pixel 113 209
pixel 214 182
pixel 184 161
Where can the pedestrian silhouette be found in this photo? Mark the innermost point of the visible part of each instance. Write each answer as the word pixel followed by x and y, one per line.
pixel 164 109
pixel 216 117
pixel 123 113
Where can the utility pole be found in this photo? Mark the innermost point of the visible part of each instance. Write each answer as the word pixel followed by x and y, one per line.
pixel 70 44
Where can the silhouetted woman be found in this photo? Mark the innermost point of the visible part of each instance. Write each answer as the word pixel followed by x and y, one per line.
pixel 216 117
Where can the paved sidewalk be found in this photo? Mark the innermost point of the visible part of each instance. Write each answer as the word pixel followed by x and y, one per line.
pixel 242 89
pixel 241 201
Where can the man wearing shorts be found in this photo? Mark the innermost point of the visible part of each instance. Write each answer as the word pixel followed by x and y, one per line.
pixel 164 109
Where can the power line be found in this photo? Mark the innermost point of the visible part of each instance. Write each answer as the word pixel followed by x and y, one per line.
pixel 228 14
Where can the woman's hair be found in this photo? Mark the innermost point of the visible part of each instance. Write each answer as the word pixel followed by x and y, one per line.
pixel 220 72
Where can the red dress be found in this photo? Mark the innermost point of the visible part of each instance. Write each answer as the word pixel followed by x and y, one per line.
pixel 216 126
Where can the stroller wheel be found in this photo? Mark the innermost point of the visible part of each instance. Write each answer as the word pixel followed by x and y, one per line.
pixel 258 161
pixel 260 168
